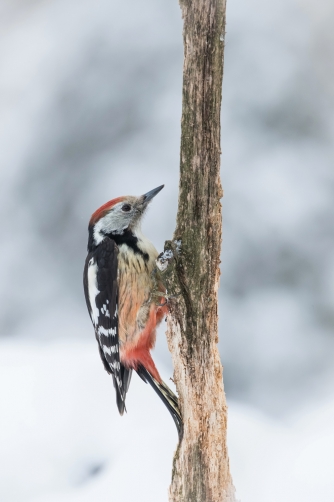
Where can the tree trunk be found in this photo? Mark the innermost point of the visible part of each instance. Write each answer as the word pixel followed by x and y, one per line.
pixel 190 266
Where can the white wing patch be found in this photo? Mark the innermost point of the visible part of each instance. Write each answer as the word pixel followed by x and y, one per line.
pixel 110 350
pixel 92 290
pixel 106 332
pixel 105 310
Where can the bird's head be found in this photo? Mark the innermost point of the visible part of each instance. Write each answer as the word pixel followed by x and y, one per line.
pixel 119 215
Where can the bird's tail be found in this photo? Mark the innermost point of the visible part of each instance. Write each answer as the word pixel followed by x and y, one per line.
pixel 125 374
pixel 166 395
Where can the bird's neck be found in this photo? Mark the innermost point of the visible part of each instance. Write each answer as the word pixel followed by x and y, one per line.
pixel 131 240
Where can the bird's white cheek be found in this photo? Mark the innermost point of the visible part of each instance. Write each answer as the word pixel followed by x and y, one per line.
pixel 98 236
pixel 113 223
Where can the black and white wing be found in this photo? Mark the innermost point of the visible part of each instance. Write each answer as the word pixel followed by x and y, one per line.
pixel 101 292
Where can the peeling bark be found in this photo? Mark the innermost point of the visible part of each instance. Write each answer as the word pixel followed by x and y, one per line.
pixel 190 265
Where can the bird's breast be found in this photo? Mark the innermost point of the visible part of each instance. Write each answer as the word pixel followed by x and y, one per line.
pixel 135 286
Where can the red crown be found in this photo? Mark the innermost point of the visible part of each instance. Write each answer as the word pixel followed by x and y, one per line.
pixel 102 211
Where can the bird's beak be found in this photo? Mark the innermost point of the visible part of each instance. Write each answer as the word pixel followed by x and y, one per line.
pixel 149 195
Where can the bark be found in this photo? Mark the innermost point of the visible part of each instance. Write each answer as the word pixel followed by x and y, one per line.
pixel 190 265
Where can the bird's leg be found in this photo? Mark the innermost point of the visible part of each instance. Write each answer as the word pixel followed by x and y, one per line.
pixel 158 288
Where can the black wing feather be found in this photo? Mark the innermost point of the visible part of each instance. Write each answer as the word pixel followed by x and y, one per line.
pixel 101 292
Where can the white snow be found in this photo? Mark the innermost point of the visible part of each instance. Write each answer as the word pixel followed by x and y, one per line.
pixel 163 259
pixel 62 440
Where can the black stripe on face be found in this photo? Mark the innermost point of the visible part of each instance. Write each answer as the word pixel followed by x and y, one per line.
pixel 91 242
pixel 130 240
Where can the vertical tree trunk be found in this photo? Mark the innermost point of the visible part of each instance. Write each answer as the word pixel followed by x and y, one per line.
pixel 190 265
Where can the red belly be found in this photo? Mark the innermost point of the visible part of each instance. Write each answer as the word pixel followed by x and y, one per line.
pixel 138 317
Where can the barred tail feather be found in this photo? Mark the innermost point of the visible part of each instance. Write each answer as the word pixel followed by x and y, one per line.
pixel 119 397
pixel 126 374
pixel 166 395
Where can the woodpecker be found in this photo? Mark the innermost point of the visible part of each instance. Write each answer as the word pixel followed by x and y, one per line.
pixel 125 301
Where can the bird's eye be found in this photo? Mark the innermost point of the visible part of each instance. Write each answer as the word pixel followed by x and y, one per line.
pixel 126 208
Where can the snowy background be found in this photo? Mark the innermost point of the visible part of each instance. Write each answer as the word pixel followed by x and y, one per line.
pixel 90 105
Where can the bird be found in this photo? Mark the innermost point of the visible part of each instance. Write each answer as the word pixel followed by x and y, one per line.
pixel 125 299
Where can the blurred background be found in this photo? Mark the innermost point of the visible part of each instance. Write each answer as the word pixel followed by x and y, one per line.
pixel 90 107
